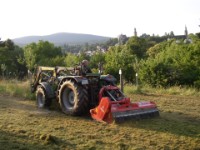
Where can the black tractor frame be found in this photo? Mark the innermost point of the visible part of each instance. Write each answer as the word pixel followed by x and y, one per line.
pixel 76 92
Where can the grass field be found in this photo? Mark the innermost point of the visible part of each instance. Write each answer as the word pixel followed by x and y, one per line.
pixel 25 127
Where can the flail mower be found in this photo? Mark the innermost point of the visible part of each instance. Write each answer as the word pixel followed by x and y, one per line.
pixel 114 106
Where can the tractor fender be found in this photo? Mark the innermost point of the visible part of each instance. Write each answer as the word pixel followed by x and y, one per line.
pixel 48 89
pixel 78 79
pixel 108 78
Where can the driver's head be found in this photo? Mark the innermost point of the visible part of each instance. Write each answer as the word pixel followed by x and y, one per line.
pixel 85 62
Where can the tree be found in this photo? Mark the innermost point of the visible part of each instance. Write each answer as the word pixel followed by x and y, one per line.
pixel 82 56
pixel 71 60
pixel 171 35
pixel 198 35
pixel 97 58
pixel 30 56
pixel 43 53
pixel 120 57
pixel 86 47
pixel 137 46
pixel 9 44
pixel 154 50
pixel 3 68
pixel 9 55
pixel 172 64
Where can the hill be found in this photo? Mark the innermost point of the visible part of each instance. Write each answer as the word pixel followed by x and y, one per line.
pixel 62 38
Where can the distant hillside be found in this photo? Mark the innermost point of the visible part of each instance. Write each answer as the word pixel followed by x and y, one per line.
pixel 61 39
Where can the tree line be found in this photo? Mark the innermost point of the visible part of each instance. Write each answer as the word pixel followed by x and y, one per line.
pixel 158 61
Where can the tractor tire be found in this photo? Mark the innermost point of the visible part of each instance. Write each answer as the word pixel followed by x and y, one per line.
pixel 41 100
pixel 73 98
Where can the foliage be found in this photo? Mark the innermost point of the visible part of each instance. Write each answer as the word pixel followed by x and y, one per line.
pixel 137 46
pixel 170 64
pixel 71 60
pixel 158 62
pixel 3 69
pixel 97 59
pixel 157 48
pixel 9 56
pixel 72 48
pixel 43 53
pixel 110 42
pixel 198 35
pixel 82 56
pixel 30 56
pixel 119 57
pixel 67 48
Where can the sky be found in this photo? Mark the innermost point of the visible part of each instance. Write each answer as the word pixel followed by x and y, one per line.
pixel 109 18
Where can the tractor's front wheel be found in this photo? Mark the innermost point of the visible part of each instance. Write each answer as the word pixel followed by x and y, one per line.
pixel 73 98
pixel 41 98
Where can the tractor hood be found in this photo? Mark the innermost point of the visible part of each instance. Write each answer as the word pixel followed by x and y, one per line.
pixel 108 78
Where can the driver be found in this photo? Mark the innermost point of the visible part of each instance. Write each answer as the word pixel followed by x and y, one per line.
pixel 85 67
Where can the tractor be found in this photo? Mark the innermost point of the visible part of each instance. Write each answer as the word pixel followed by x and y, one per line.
pixel 80 93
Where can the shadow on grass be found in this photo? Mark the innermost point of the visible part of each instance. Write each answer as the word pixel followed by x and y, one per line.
pixel 173 122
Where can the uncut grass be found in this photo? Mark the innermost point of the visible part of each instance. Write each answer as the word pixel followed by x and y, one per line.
pixel 174 90
pixel 17 88
pixel 27 127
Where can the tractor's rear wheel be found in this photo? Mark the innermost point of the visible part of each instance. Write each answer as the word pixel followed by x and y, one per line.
pixel 73 98
pixel 41 99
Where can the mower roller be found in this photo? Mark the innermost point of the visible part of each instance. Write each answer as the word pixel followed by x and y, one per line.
pixel 114 106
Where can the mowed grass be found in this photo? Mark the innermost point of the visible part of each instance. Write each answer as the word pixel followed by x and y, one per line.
pixel 24 126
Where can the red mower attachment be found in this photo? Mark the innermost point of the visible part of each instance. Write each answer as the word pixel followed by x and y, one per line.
pixel 114 106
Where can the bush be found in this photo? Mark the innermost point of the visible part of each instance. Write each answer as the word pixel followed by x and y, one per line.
pixel 197 84
pixel 174 64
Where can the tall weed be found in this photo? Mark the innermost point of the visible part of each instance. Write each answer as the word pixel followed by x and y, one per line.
pixel 175 90
pixel 22 89
pixel 16 88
